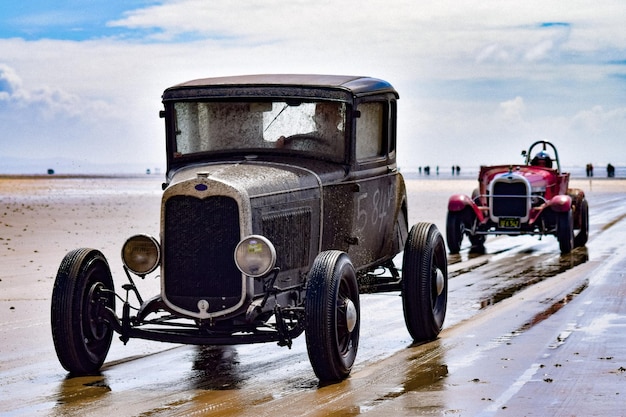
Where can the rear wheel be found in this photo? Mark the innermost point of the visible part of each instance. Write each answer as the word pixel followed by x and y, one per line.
pixel 455 228
pixel 565 231
pixel 424 282
pixel 332 316
pixel 82 289
pixel 583 234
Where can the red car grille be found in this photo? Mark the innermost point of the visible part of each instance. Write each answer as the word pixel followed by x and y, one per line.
pixel 510 199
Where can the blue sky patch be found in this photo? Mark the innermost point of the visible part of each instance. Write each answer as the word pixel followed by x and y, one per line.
pixel 66 19
pixel 554 24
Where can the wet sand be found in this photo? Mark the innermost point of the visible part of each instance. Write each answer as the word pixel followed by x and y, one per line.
pixel 43 218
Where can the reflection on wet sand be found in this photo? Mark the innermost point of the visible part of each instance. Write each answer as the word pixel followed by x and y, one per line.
pixel 216 368
pixel 524 274
pixel 76 393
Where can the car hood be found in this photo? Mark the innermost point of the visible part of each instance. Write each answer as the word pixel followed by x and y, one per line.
pixel 536 176
pixel 258 178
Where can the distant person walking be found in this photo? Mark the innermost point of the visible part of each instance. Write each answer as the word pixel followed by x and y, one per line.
pixel 610 171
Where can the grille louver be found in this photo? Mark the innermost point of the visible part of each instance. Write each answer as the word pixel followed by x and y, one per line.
pixel 199 239
pixel 509 199
pixel 290 232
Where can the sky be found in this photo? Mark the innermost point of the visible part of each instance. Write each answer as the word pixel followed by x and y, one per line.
pixel 81 82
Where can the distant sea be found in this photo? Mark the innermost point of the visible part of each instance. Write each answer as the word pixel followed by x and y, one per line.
pixel 472 172
pixel 19 166
pixel 50 166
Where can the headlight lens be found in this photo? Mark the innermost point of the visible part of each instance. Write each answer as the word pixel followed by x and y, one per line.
pixel 141 254
pixel 255 256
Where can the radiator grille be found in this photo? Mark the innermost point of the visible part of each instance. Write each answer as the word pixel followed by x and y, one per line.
pixel 290 232
pixel 505 200
pixel 200 236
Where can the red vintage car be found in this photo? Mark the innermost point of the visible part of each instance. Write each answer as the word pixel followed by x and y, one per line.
pixel 529 199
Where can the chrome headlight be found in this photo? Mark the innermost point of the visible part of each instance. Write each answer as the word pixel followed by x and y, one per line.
pixel 141 254
pixel 255 256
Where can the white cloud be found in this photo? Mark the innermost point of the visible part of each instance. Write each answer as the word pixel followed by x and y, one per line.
pixel 40 121
pixel 493 52
pixel 472 76
pixel 513 110
pixel 261 20
pixel 598 119
pixel 43 101
pixel 10 82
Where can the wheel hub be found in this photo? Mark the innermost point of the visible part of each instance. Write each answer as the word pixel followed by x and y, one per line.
pixel 439 281
pixel 351 315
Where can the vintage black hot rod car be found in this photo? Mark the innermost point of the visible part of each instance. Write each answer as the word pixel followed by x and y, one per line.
pixel 282 202
pixel 529 199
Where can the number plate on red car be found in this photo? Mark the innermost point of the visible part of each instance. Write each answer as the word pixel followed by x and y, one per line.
pixel 509 222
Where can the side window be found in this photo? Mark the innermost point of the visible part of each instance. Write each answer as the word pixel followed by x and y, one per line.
pixel 369 130
pixel 393 127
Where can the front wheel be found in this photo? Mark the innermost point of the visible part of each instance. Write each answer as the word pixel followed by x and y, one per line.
pixel 332 316
pixel 424 282
pixel 565 231
pixel 82 289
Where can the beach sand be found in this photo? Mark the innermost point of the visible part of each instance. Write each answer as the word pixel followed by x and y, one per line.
pixel 43 218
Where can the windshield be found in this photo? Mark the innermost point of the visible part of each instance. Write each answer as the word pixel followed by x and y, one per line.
pixel 312 127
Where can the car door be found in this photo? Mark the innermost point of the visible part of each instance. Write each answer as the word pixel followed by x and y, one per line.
pixel 375 179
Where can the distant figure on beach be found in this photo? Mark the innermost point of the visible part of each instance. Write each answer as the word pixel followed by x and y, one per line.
pixel 458 170
pixel 610 170
pixel 589 170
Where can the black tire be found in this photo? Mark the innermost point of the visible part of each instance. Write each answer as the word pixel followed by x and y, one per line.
pixel 332 316
pixel 583 234
pixel 477 240
pixel 83 286
pixel 455 228
pixel 424 282
pixel 565 231
pixel 476 196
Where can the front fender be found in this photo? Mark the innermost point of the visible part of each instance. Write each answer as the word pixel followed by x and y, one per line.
pixel 458 202
pixel 560 203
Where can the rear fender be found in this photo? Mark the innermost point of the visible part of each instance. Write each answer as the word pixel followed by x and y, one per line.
pixel 560 203
pixel 578 196
pixel 458 202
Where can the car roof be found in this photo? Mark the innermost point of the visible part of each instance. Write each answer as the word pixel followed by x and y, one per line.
pixel 355 85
